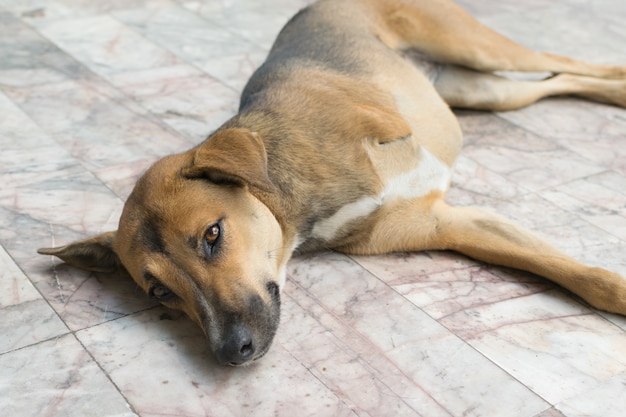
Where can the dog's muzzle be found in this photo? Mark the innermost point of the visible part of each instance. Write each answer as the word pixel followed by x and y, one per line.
pixel 246 334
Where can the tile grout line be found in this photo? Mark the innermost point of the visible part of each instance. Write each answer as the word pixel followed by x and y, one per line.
pixel 465 342
pixel 365 340
pixel 592 312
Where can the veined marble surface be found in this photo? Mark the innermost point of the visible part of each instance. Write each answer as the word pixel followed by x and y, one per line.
pixel 93 92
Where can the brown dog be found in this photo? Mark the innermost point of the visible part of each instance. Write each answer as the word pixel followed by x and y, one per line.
pixel 343 143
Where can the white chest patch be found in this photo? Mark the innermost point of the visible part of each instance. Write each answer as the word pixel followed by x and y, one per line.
pixel 429 174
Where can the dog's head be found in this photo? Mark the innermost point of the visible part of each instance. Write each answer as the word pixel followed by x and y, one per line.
pixel 194 237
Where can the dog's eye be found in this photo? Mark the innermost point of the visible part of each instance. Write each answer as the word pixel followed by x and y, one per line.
pixel 212 239
pixel 212 234
pixel 160 292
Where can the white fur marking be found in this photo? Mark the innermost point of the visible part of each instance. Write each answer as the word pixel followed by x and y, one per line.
pixel 430 174
pixel 326 229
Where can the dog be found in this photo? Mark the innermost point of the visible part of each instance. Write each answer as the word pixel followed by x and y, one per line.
pixel 341 142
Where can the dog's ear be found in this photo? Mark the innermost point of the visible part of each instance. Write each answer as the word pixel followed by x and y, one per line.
pixel 93 254
pixel 232 156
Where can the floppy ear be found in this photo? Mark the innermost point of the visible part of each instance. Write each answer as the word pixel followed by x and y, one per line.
pixel 93 254
pixel 234 156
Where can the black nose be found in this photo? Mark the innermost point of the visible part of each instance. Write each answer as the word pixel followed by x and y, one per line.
pixel 238 347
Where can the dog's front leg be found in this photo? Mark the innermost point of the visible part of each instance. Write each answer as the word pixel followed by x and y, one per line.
pixel 429 223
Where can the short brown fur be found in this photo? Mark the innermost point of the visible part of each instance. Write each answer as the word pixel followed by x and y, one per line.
pixel 341 142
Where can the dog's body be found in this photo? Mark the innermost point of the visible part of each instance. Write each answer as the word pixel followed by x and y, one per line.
pixel 343 143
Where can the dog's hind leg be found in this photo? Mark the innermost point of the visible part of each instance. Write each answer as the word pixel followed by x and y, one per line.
pixel 431 224
pixel 446 33
pixel 466 88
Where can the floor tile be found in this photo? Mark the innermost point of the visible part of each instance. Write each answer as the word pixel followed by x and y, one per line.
pixel 57 378
pixel 33 11
pixel 29 154
pixel 230 57
pixel 531 161
pixel 26 316
pixel 29 58
pixel 559 350
pixel 105 45
pixel 161 355
pixel 606 400
pixel 414 342
pixel 242 17
pixel 348 363
pixel 552 412
pixel 96 124
pixel 599 199
pixel 577 126
pixel 449 292
pixel 56 212
pixel 183 97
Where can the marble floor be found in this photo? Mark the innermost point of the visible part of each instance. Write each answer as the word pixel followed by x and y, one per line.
pixel 92 92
